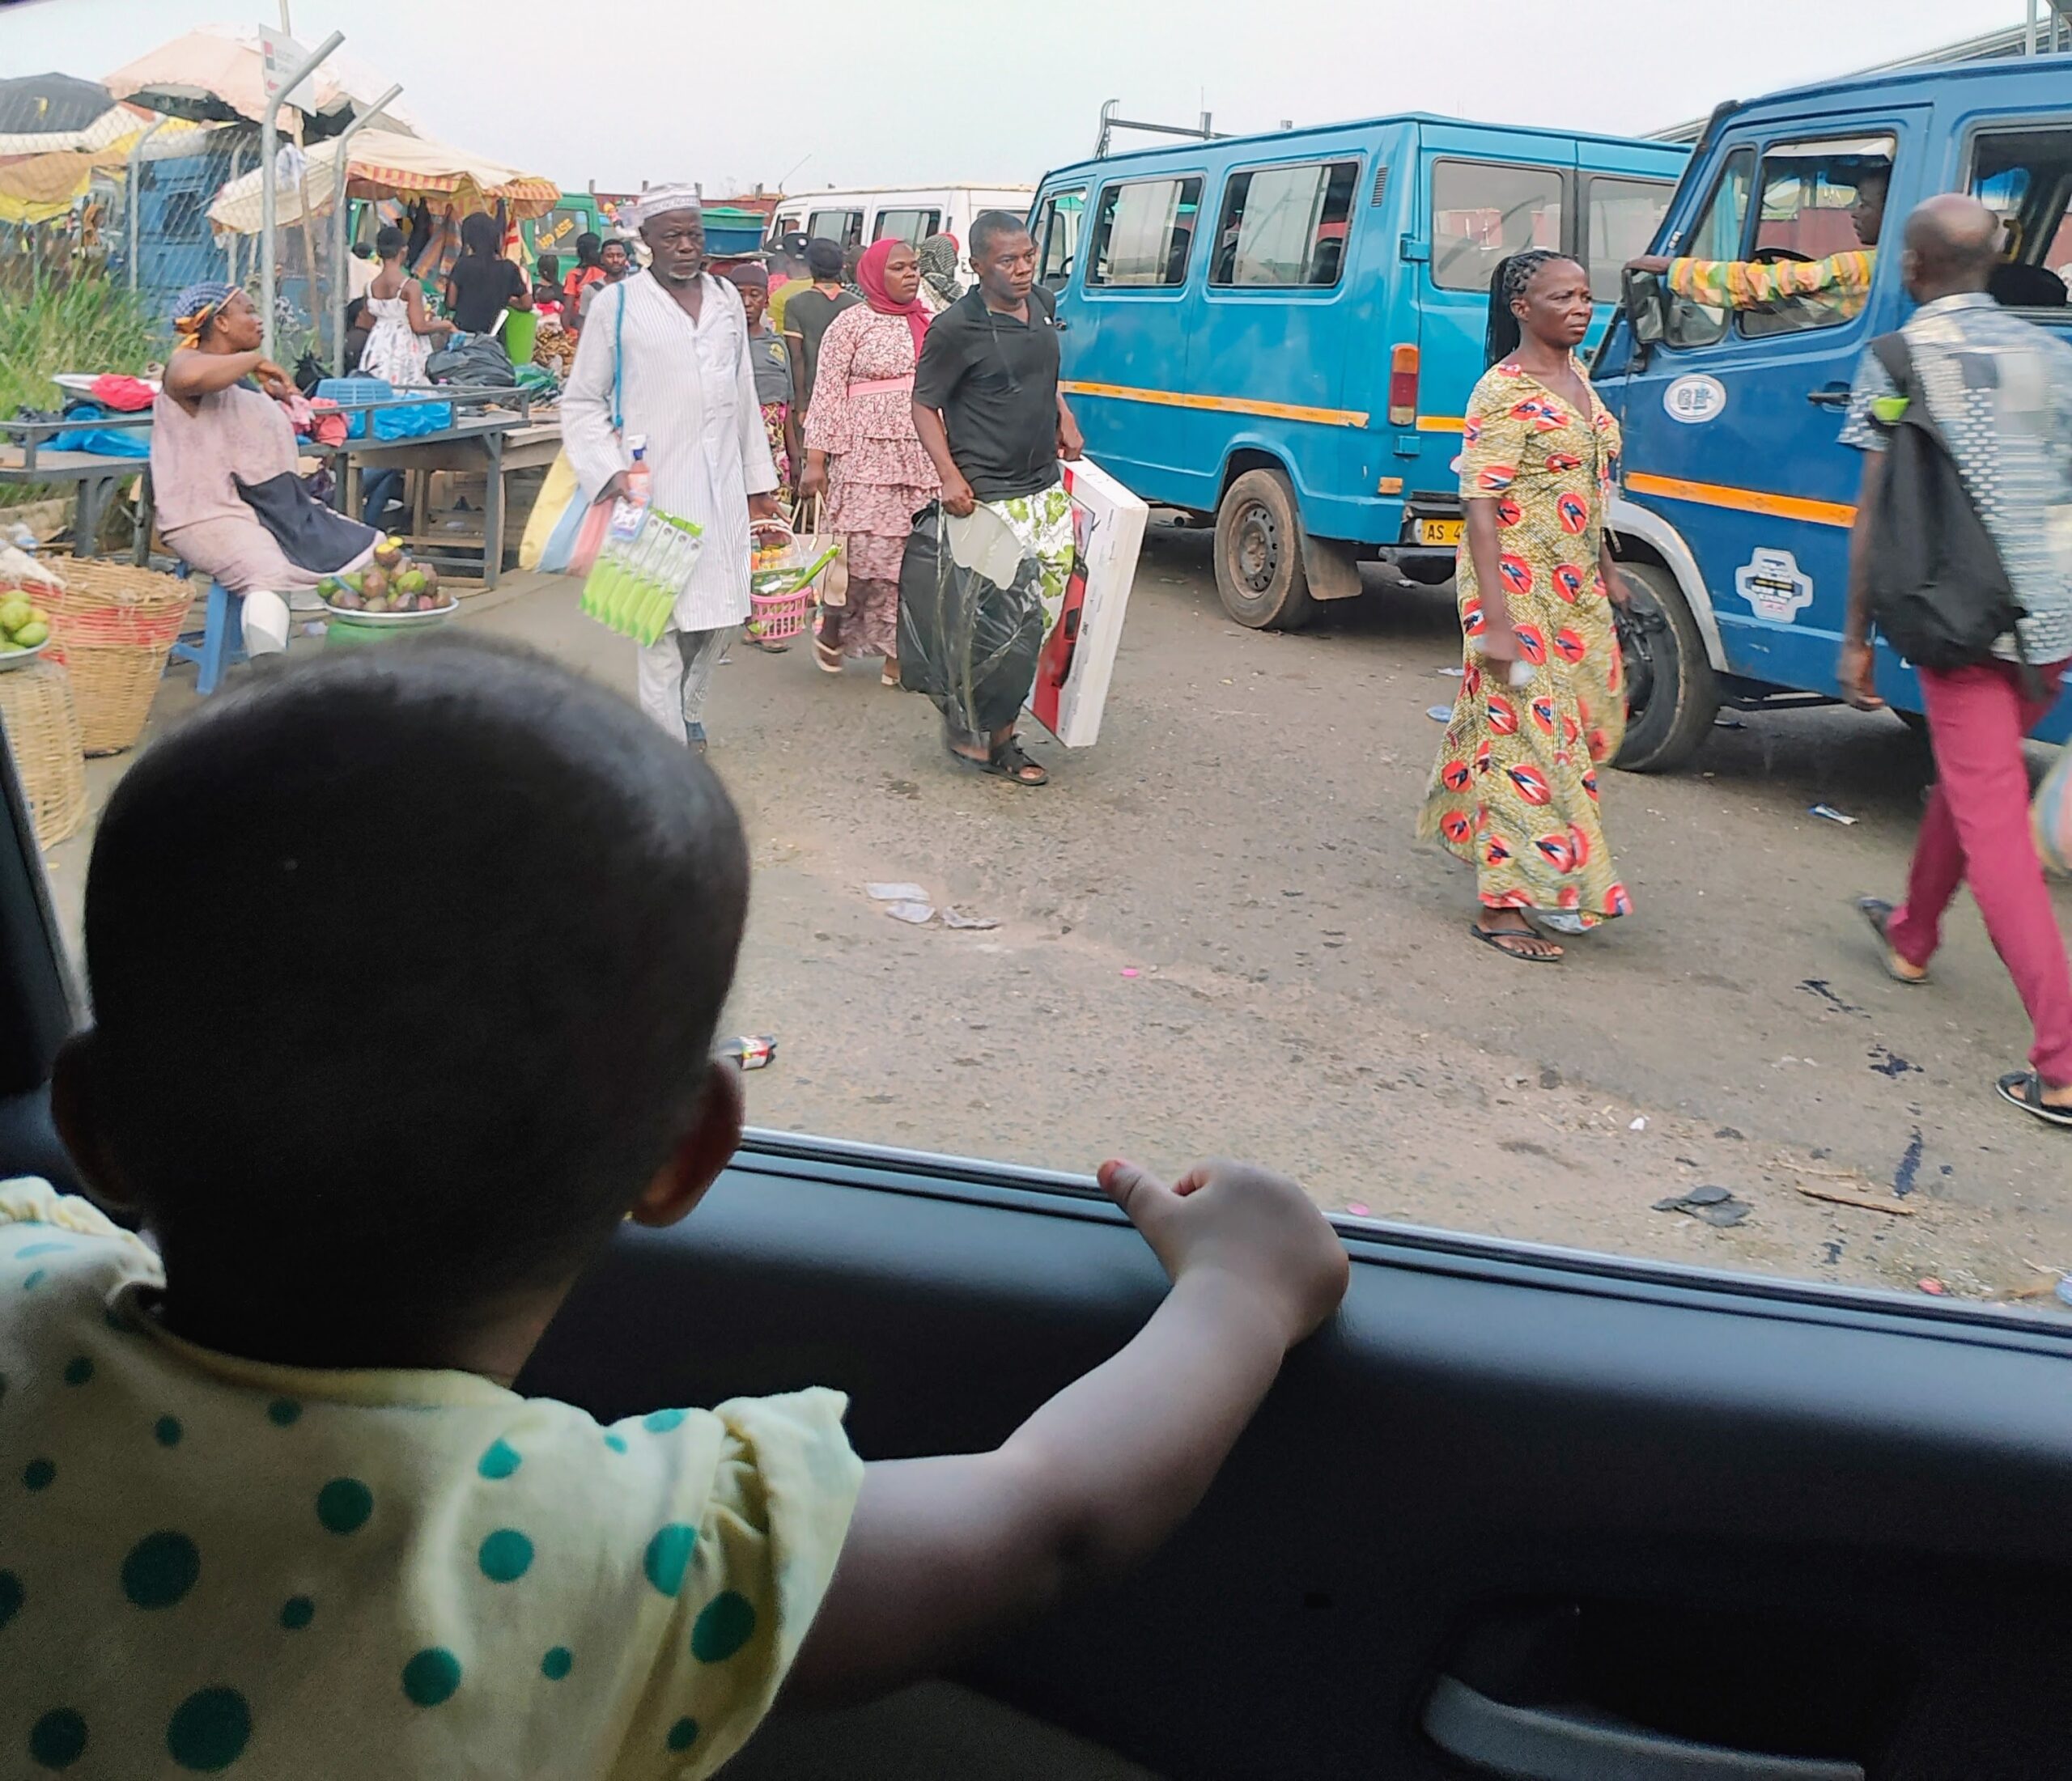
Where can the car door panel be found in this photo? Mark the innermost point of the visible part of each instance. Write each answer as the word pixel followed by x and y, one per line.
pixel 1846 1514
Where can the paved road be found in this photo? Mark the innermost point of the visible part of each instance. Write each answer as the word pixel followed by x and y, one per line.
pixel 1217 933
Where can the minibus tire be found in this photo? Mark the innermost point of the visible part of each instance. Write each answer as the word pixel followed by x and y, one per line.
pixel 1260 574
pixel 1685 698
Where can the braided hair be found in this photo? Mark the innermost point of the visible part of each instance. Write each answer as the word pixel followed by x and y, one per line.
pixel 1514 273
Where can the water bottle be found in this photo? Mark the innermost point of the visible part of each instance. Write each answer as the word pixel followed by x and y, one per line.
pixel 630 509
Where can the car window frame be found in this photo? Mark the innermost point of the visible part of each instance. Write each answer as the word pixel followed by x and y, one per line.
pixel 1351 157
pixel 1046 200
pixel 1680 244
pixel 932 213
pixel 1172 288
pixel 1738 321
pixel 1586 181
pixel 1977 130
pixel 842 240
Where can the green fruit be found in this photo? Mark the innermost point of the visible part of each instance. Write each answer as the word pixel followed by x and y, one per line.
pixel 356 581
pixel 14 612
pixel 327 587
pixel 9 646
pixel 411 581
pixel 33 633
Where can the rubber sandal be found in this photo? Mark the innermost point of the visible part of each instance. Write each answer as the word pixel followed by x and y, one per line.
pixel 827 659
pixel 1005 762
pixel 2023 1088
pixel 891 680
pixel 1505 939
pixel 1879 913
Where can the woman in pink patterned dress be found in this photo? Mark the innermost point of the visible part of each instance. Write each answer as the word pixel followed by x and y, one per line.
pixel 862 451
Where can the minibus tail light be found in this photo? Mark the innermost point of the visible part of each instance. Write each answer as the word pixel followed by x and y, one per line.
pixel 1402 386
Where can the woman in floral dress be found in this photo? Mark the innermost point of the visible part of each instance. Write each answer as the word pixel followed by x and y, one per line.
pixel 1542 708
pixel 861 448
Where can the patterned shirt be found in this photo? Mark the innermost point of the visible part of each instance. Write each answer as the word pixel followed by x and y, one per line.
pixel 2000 390
pixel 1839 287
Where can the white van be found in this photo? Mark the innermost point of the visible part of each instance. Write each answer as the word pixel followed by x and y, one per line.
pixel 912 213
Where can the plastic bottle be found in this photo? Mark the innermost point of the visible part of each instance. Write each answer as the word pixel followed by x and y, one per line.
pixel 631 507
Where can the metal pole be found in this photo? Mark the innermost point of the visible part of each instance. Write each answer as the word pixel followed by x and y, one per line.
pixel 269 148
pixel 343 142
pixel 2031 48
pixel 136 206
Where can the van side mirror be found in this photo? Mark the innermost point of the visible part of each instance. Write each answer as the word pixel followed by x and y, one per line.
pixel 1647 306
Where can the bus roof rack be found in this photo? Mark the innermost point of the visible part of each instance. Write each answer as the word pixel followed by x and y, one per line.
pixel 1110 123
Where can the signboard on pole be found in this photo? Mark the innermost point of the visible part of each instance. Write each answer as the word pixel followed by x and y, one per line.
pixel 283 55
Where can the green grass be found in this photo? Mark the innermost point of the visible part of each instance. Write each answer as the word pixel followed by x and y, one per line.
pixel 85 324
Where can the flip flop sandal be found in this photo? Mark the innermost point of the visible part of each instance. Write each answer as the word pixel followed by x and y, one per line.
pixel 1506 940
pixel 825 658
pixel 1879 913
pixel 892 680
pixel 2023 1088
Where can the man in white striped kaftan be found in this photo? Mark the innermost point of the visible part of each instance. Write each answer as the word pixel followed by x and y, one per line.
pixel 675 342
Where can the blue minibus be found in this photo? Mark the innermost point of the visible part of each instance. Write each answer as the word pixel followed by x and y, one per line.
pixel 1282 330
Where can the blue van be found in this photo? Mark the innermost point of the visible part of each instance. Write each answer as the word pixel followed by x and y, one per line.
pixel 1282 330
pixel 1737 497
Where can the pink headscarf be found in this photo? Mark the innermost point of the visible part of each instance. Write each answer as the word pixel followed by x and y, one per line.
pixel 870 280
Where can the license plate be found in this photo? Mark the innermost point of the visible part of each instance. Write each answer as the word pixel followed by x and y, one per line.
pixel 1440 531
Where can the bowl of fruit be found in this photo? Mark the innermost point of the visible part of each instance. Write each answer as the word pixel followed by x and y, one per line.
pixel 393 591
pixel 24 630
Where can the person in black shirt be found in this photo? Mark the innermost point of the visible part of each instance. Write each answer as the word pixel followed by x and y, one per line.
pixel 483 283
pixel 987 408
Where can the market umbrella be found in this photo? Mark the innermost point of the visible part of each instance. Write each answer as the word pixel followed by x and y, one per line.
pixel 218 75
pixel 386 165
pixel 47 104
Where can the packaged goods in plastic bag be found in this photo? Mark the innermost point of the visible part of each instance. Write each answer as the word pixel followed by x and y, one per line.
pixel 632 586
pixel 2052 814
pixel 971 618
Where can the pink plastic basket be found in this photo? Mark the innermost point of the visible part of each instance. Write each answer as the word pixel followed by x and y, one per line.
pixel 774 616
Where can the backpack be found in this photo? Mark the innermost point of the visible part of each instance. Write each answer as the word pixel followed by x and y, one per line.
pixel 1938 590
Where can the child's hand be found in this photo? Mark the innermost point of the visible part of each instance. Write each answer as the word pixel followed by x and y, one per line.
pixel 1257 1229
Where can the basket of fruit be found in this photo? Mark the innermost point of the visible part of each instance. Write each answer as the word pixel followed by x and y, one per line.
pixel 24 629
pixel 113 624
pixel 782 571
pixel 393 594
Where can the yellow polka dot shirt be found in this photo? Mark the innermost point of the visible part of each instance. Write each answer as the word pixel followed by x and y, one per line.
pixel 214 1566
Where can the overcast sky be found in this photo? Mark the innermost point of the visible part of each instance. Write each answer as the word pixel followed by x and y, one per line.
pixel 811 93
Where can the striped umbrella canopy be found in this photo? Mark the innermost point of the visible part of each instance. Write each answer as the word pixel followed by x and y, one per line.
pixel 387 164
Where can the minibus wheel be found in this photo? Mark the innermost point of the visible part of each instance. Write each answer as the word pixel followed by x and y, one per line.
pixel 1260 574
pixel 1672 694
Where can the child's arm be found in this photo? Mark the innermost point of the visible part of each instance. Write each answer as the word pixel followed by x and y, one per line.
pixel 942 1552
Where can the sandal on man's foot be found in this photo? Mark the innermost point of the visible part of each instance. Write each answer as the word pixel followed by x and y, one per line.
pixel 1521 943
pixel 1005 762
pixel 2024 1089
pixel 1879 913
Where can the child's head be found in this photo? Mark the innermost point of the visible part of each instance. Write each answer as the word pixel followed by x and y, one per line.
pixel 405 966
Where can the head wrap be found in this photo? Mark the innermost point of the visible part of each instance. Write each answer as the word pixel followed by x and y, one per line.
pixel 194 307
pixel 660 200
pixel 870 280
pixel 938 257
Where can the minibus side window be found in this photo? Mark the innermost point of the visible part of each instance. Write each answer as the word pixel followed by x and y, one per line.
pixel 1809 190
pixel 911 227
pixel 1483 212
pixel 1622 215
pixel 1144 233
pixel 1285 225
pixel 2024 177
pixel 1056 233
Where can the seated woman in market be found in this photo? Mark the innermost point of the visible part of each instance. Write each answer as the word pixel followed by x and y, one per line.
pixel 232 503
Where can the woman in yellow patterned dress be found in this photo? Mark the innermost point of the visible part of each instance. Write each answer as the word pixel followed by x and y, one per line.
pixel 1542 707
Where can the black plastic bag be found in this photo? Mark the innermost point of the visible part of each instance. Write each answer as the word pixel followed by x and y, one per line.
pixel 480 360
pixel 969 643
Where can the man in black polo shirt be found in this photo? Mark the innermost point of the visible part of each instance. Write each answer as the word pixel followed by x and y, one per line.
pixel 986 407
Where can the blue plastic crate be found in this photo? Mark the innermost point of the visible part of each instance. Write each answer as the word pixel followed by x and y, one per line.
pixel 342 390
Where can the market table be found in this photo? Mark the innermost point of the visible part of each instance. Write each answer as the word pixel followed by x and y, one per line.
pixel 26 458
pixel 495 443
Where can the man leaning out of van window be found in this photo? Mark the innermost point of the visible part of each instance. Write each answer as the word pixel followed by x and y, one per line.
pixel 1840 283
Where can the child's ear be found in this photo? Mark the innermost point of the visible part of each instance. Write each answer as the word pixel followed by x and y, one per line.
pixel 700 1154
pixel 74 1110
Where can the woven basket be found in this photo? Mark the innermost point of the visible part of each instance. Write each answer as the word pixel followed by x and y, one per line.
pixel 113 626
pixel 43 731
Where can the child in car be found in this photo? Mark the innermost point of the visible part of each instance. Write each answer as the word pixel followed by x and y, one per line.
pixel 406 965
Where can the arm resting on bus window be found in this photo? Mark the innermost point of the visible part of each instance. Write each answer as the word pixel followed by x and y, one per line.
pixel 1859 665
pixel 1498 642
pixel 957 495
pixel 1756 284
